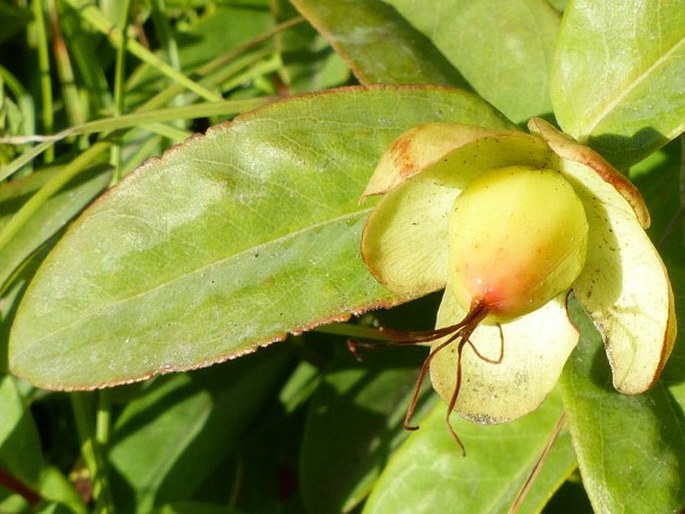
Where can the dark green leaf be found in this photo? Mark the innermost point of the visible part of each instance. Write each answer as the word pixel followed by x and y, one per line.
pixel 378 43
pixel 20 451
pixel 357 415
pixel 167 442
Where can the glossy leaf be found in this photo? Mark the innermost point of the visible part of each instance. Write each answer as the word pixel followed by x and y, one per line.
pixel 227 243
pixel 20 450
pixel 378 43
pixel 556 467
pixel 428 473
pixel 503 49
pixel 357 415
pixel 618 76
pixel 630 448
pixel 185 425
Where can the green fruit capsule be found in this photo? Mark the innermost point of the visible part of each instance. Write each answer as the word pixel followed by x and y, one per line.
pixel 518 237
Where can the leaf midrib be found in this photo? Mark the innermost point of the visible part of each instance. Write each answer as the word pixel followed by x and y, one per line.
pixel 630 87
pixel 199 270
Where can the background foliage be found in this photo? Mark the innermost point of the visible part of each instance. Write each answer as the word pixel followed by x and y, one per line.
pixel 250 235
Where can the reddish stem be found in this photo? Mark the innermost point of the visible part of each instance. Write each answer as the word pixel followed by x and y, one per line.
pixel 11 483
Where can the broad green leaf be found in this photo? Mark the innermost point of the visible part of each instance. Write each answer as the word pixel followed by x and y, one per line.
pixel 357 415
pixel 20 450
pixel 167 442
pixel 556 467
pixel 378 43
pixel 618 75
pixel 226 243
pixel 50 218
pixel 11 297
pixel 428 473
pixel 630 448
pixel 503 49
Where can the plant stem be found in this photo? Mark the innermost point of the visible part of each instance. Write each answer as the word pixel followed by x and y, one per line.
pixel 93 452
pixel 103 420
pixel 353 331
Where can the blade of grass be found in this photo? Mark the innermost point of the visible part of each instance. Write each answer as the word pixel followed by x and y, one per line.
pixel 44 70
pixel 26 106
pixel 95 87
pixel 217 70
pixel 221 108
pixel 165 34
pixel 137 119
pixel 270 65
pixel 119 91
pixel 72 102
pixel 49 189
pixel 98 20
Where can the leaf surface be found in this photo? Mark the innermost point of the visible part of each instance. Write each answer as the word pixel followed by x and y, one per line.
pixel 357 415
pixel 503 49
pixel 630 449
pixel 379 45
pixel 228 242
pixel 170 439
pixel 50 218
pixel 20 451
pixel 618 76
pixel 428 473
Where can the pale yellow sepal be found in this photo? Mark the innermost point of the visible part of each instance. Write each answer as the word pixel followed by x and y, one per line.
pixel 461 151
pixel 570 150
pixel 535 348
pixel 624 286
pixel 417 149
pixel 403 244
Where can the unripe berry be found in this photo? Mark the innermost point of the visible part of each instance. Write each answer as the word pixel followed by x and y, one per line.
pixel 518 238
